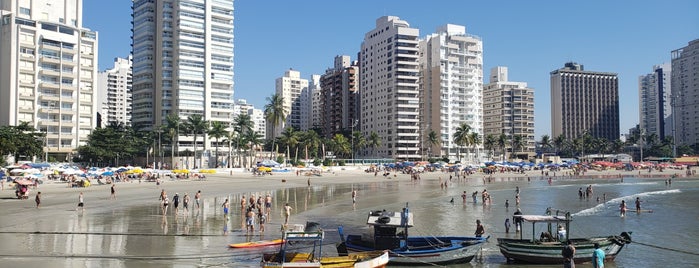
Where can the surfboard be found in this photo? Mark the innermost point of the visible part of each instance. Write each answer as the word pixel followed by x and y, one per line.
pixel 262 243
pixel 644 211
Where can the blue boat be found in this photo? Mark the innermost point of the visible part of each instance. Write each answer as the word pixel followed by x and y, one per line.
pixel 390 232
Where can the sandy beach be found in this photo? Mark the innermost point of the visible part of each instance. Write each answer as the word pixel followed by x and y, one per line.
pixel 57 197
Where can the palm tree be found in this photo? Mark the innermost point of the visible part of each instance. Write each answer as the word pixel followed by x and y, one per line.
pixel 230 138
pixel 275 114
pixel 289 139
pixel 172 130
pixel 489 144
pixel 374 141
pixel 242 124
pixel 545 142
pixel 558 142
pixel 475 140
pixel 341 145
pixel 432 140
pixel 253 139
pixel 617 146
pixel 311 141
pixel 358 141
pixel 517 143
pixel 217 130
pixel 460 137
pixel 502 141
pixel 196 125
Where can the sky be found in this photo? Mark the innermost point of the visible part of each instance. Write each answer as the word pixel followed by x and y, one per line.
pixel 531 38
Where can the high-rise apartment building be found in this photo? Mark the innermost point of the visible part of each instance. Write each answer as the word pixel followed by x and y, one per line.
pixel 114 91
pixel 584 102
pixel 389 82
pixel 256 115
pixel 182 63
pixel 315 97
pixel 339 97
pixel 685 93
pixel 655 111
pixel 48 67
pixel 452 89
pixel 508 109
pixel 295 95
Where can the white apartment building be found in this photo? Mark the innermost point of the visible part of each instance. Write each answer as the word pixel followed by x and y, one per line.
pixel 685 93
pixel 451 65
pixel 183 64
pixel 295 94
pixel 315 107
pixel 654 94
pixel 48 67
pixel 508 108
pixel 256 115
pixel 114 93
pixel 389 81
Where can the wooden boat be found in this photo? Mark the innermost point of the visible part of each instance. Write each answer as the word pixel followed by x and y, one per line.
pixel 254 244
pixel 404 249
pixel 547 249
pixel 288 258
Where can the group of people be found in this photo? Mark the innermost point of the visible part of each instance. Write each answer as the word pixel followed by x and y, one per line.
pixel 165 202
pixel 568 253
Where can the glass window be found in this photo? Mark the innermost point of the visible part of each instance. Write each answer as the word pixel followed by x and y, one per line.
pixel 25 11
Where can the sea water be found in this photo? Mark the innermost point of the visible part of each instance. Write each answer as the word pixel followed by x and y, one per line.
pixel 141 237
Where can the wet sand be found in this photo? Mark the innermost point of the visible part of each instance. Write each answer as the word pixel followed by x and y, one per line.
pixel 57 197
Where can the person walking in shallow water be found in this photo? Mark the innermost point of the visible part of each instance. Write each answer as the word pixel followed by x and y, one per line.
pixel 568 253
pixel 38 199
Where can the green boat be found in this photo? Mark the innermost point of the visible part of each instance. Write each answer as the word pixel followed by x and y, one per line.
pixel 546 249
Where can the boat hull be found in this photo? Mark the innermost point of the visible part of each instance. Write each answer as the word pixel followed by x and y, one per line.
pixel 374 259
pixel 518 250
pixel 421 250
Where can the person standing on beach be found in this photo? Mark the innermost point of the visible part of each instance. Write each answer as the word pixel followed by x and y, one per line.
pixel 354 196
pixel 568 253
pixel 597 257
pixel 287 213
pixel 250 220
pixel 176 202
pixel 480 230
pixel 38 199
pixel 113 196
pixel 197 198
pixel 185 204
pixel 165 204
pixel 622 208
pixel 518 219
pixel 262 219
pixel 638 205
pixel 507 226
pixel 268 205
pixel 225 207
pixel 81 202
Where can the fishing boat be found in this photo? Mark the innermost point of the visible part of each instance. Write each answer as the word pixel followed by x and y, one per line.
pixel 287 257
pixel 390 232
pixel 254 244
pixel 547 248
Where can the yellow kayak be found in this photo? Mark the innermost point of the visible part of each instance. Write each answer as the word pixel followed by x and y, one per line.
pixel 262 243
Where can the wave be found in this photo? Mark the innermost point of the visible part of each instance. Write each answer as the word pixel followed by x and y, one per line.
pixel 614 203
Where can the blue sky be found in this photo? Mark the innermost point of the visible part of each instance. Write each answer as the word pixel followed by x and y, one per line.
pixel 531 38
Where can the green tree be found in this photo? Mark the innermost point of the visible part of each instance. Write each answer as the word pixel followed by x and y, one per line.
pixel 502 141
pixel 253 139
pixel 340 145
pixel 374 141
pixel 461 137
pixel 489 143
pixel 196 125
pixel 172 130
pixel 275 114
pixel 358 140
pixel 475 140
pixel 432 141
pixel 558 142
pixel 242 124
pixel 217 130
pixel 311 141
pixel 545 142
pixel 289 139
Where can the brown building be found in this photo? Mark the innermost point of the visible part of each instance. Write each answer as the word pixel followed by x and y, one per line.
pixel 339 97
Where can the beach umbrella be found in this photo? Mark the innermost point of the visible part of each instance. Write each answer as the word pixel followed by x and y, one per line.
pixel 107 173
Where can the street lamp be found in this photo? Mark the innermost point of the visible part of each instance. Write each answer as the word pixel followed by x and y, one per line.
pixel 353 125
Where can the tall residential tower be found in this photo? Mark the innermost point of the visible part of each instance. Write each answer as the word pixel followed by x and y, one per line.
pixel 685 93
pixel 48 67
pixel 114 86
pixel 389 70
pixel 182 63
pixel 509 109
pixel 339 97
pixel 655 111
pixel 451 64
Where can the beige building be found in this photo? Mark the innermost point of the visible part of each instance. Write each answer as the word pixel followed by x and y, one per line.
pixel 451 65
pixel 389 81
pixel 48 67
pixel 296 99
pixel 508 108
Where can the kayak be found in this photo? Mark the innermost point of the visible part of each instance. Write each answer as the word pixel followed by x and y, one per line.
pixel 262 243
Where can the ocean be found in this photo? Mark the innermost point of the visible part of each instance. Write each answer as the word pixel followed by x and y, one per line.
pixel 141 237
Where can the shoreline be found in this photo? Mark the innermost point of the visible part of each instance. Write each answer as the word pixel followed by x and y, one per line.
pixel 57 197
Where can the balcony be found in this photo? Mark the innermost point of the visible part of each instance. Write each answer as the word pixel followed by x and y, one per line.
pixel 49 85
